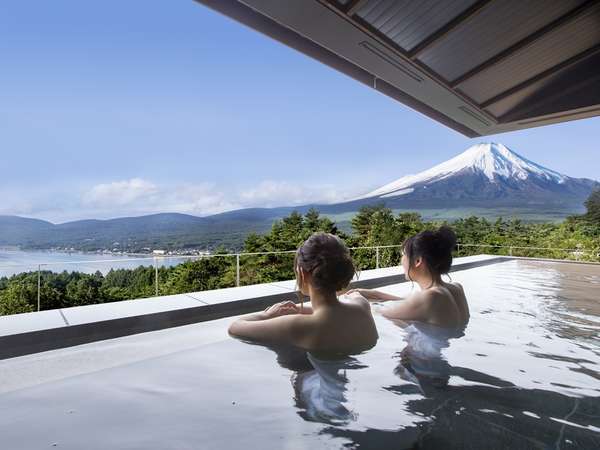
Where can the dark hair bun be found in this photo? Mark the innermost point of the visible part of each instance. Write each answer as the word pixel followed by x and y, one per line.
pixel 435 247
pixel 328 260
pixel 446 237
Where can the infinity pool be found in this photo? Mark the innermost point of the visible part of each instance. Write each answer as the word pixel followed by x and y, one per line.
pixel 525 373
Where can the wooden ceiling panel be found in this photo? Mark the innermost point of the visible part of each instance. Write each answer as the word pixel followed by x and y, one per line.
pixel 496 27
pixel 407 22
pixel 555 47
pixel 572 88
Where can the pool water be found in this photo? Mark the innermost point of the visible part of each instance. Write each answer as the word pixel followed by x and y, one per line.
pixel 525 373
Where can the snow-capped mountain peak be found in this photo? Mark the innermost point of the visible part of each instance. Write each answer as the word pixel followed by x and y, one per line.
pixel 497 160
pixel 490 159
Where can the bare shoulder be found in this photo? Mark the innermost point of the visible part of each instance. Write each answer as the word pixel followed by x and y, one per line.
pixel 460 299
pixel 425 299
pixel 295 328
pixel 299 324
pixel 456 288
pixel 457 284
pixel 358 300
pixel 430 295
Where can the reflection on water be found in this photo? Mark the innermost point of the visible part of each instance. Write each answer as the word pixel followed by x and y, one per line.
pixel 321 392
pixel 523 374
pixel 319 383
pixel 421 360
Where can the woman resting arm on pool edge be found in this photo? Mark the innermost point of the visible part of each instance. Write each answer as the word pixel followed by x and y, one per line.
pixel 323 267
pixel 425 258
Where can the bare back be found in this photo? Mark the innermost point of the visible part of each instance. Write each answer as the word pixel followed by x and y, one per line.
pixel 460 300
pixel 340 326
pixel 347 326
pixel 448 305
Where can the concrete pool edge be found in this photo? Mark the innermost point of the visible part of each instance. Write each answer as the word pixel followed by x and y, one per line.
pixel 65 334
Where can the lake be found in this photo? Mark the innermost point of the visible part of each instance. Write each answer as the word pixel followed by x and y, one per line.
pixel 17 261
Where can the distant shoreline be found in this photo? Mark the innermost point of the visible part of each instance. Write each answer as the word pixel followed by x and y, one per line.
pixel 69 252
pixel 14 261
pixel 183 253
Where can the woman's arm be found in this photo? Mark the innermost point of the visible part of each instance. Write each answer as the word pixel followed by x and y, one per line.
pixel 374 295
pixel 278 323
pixel 415 307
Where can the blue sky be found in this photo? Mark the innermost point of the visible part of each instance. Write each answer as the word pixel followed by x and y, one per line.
pixel 132 107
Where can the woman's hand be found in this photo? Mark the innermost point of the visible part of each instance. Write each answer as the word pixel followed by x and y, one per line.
pixel 366 293
pixel 281 309
pixel 373 295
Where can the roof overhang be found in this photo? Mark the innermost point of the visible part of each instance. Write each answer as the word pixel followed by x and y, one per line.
pixel 479 67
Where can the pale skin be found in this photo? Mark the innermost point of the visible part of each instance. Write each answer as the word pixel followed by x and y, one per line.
pixel 328 324
pixel 438 303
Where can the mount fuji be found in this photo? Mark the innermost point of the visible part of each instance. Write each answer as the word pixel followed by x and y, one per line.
pixel 485 175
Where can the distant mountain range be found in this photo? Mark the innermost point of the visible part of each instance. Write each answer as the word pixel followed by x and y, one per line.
pixel 133 234
pixel 487 179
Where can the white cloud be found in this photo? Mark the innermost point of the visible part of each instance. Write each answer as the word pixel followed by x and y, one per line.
pixel 18 208
pixel 200 199
pixel 281 193
pixel 31 202
pixel 138 196
pixel 119 193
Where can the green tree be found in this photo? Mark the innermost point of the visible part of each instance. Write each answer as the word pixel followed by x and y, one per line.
pixel 14 299
pixel 362 223
pixel 207 273
pixel 84 290
pixel 376 226
pixel 123 284
pixel 286 235
pixel 592 204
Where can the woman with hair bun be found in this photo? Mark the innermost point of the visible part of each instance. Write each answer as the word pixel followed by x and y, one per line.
pixel 323 267
pixel 425 258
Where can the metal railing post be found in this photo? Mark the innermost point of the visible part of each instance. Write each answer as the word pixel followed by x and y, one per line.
pixel 39 285
pixel 377 257
pixel 156 276
pixel 510 251
pixel 237 269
